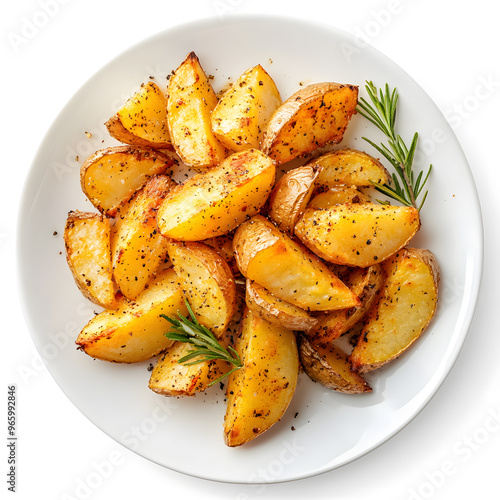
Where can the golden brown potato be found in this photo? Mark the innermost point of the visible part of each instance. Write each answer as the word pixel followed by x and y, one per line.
pixel 338 195
pixel 223 245
pixel 357 234
pixel 142 120
pixel 86 238
pixel 190 102
pixel 290 196
pixel 312 117
pixel 207 282
pixel 137 246
pixel 365 283
pixel 288 270
pixel 259 393
pixel 275 310
pixel 404 307
pixel 171 378
pixel 215 202
pixel 330 367
pixel 349 167
pixel 111 176
pixel 240 117
pixel 135 331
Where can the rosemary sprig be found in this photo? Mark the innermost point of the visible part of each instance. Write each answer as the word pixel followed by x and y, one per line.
pixel 206 346
pixel 382 113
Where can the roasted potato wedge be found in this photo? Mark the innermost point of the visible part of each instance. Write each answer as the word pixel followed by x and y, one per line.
pixel 338 195
pixel 137 245
pixel 349 167
pixel 275 310
pixel 357 234
pixel 207 282
pixel 404 307
pixel 288 270
pixel 111 176
pixel 290 196
pixel 87 242
pixel 190 102
pixel 329 366
pixel 142 120
pixel 215 202
pixel 259 393
pixel 312 117
pixel 242 114
pixel 171 378
pixel 365 283
pixel 223 245
pixel 135 331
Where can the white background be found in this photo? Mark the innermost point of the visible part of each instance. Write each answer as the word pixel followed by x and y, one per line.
pixel 452 449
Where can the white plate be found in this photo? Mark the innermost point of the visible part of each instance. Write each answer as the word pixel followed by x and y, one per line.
pixel 330 429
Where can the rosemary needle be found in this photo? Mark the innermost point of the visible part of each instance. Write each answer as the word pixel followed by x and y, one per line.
pixel 382 113
pixel 205 346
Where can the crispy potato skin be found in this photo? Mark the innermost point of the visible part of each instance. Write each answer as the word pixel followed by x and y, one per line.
pixel 110 177
pixel 312 117
pixel 190 102
pixel 87 243
pixel 135 331
pixel 214 203
pixel 428 258
pixel 365 283
pixel 171 378
pixel 137 246
pixel 349 167
pixel 275 310
pixel 142 120
pixel 259 393
pixel 290 196
pixel 207 282
pixel 242 114
pixel 288 270
pixel 357 234
pixel 330 366
pixel 404 307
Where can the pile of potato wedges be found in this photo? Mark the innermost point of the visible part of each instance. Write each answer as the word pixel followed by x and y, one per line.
pixel 279 263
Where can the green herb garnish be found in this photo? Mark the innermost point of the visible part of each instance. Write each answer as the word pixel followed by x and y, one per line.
pixel 206 346
pixel 382 113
